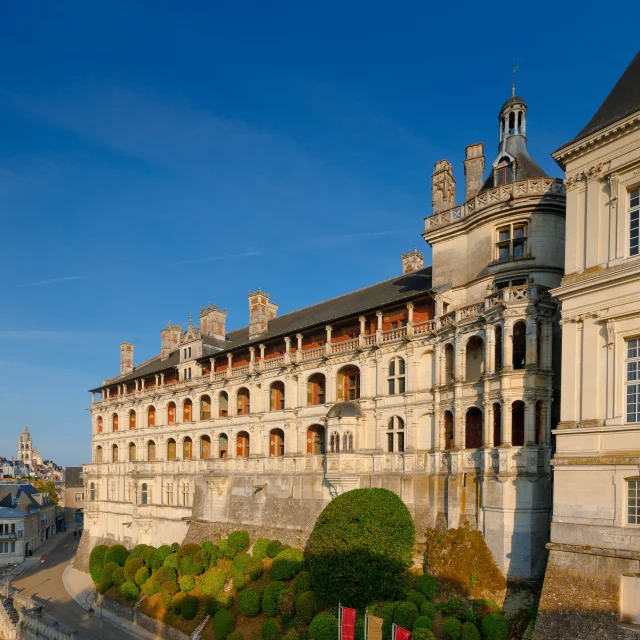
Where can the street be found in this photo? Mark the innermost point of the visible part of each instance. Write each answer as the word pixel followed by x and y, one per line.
pixel 46 584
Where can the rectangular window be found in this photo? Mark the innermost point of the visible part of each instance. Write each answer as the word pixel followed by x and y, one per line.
pixel 633 380
pixel 401 442
pixel 633 502
pixel 390 442
pixel 78 497
pixel 634 229
pixel 512 242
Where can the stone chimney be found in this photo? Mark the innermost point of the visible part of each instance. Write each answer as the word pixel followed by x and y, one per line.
pixel 443 187
pixel 169 339
pixel 212 322
pixel 412 261
pixel 473 169
pixel 260 312
pixel 126 358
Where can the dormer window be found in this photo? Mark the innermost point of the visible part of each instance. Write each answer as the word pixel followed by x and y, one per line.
pixel 186 353
pixel 504 172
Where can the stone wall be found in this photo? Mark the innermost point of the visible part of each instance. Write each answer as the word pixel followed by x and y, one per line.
pixel 34 624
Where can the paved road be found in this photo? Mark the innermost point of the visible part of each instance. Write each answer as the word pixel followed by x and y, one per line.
pixel 45 583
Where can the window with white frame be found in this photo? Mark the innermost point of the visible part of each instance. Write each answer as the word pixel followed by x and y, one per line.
pixel 633 501
pixel 634 218
pixel 511 242
pixel 633 380
pixel 7 547
pixel 395 435
pixel 78 497
pixel 396 377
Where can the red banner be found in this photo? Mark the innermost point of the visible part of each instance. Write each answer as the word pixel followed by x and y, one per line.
pixel 348 623
pixel 402 634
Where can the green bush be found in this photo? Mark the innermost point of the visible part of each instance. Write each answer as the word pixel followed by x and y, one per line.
pixel 176 603
pixel 274 548
pixel 422 622
pixel 118 576
pixel 302 582
pixel 167 592
pixel 142 575
pixel 270 598
pixel 260 548
pixel 129 590
pixel 211 582
pixel 238 541
pixel 287 604
pixel 171 561
pixel 405 615
pixel 198 564
pixel 450 607
pixel 292 634
pixel 388 612
pixel 187 583
pixel 210 605
pixel 96 561
pixel 189 607
pixel 163 552
pixel 254 568
pixel 188 549
pixel 116 553
pixel 325 625
pixel 361 546
pixel 468 615
pixel 106 578
pixel 428 609
pixel 422 634
pixel 306 606
pixel 451 629
pixel 250 601
pixel 151 558
pixel 240 562
pixel 470 632
pixel 184 565
pixel 225 551
pixel 222 624
pixel 271 630
pixel 235 636
pixel 137 551
pixel 224 599
pixel 485 607
pixel 287 564
pixel 131 567
pixel 150 586
pixel 175 546
pixel 165 574
pixel 240 580
pixel 428 586
pixel 494 627
pixel 416 597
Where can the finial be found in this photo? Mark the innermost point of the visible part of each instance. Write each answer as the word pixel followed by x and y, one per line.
pixel 191 319
pixel 514 68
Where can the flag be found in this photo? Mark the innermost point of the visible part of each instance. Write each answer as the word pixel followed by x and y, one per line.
pixel 514 68
pixel 398 633
pixel 347 618
pixel 372 627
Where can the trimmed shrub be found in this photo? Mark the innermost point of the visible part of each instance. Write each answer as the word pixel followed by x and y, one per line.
pixel 118 576
pixel 325 625
pixel 167 591
pixel 151 558
pixel 116 553
pixel 287 564
pixel 171 561
pixel 260 548
pixel 176 603
pixel 470 632
pixel 405 615
pixel 271 630
pixel 187 583
pixel 485 607
pixel 240 580
pixel 306 606
pixel 361 546
pixel 198 564
pixel 163 552
pixel 428 609
pixel 235 636
pixel 274 548
pixel 165 574
pixel 422 634
pixel 96 561
pixel 106 578
pixel 129 590
pixel 240 562
pixel 270 598
pixel 184 565
pixel 222 624
pixel 451 629
pixel 188 549
pixel 450 607
pixel 428 586
pixel 150 587
pixel 422 622
pixel 131 567
pixel 468 615
pixel 254 568
pixel 287 604
pixel 189 607
pixel 175 546
pixel 224 599
pixel 225 551
pixel 138 551
pixel 210 605
pixel 302 582
pixel 494 627
pixel 388 611
pixel 292 634
pixel 238 541
pixel 142 575
pixel 417 598
pixel 211 582
pixel 250 601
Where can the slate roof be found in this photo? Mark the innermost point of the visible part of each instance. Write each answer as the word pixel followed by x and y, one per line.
pixel 72 477
pixel 396 289
pixel 622 101
pixel 18 496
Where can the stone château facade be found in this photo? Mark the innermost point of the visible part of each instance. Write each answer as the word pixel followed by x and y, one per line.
pixel 438 384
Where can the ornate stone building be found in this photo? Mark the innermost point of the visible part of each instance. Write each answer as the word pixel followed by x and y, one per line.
pixel 27 453
pixel 437 383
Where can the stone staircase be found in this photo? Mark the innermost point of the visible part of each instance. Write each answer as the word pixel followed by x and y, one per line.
pixel 9 609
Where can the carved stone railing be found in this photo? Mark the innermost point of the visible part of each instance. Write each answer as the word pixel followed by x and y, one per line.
pixel 394 334
pixel 311 354
pixel 344 345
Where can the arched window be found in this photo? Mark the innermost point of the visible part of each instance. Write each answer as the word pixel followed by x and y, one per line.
pixel 114 421
pixel 519 345
pixel 151 416
pixel 171 413
pixel 334 442
pixel 132 452
pixel 448 364
pixel 498 348
pixel 539 422
pixel 473 428
pixel 348 384
pixel 144 494
pixel 171 449
pixel 449 441
pixel 396 376
pixel 99 424
pixel 187 410
pixel 243 445
pixel 187 449
pixel 92 491
pixel 223 445
pixel 205 408
pixel 151 450
pixel 474 358
pixel 205 447
pixel 276 398
pixel 347 441
pixel 315 440
pixel 315 389
pixel 99 455
pixel 223 405
pixel 497 425
pixel 243 402
pixel 132 419
pixel 395 434
pixel 114 453
pixel 517 423
pixel 276 442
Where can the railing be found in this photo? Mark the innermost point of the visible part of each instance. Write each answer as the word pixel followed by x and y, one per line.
pixel 424 327
pixel 394 334
pixel 344 346
pixel 370 340
pixel 274 363
pixel 312 354
pixel 240 371
pixel 219 375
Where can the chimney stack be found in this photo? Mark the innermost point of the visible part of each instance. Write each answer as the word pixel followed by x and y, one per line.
pixel 126 358
pixel 443 187
pixel 412 261
pixel 169 339
pixel 212 322
pixel 473 169
pixel 260 312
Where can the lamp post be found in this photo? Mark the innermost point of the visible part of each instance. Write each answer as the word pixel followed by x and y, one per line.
pixel 91 599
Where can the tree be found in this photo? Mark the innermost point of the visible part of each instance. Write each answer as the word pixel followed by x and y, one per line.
pixel 47 487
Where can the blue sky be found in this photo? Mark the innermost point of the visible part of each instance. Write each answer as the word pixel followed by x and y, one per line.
pixel 157 156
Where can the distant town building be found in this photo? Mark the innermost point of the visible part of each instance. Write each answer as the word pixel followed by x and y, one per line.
pixel 73 496
pixel 27 453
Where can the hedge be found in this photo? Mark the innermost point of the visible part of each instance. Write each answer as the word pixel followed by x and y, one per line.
pixel 274 548
pixel 131 567
pixel 422 634
pixel 238 541
pixel 270 598
pixel 106 578
pixel 470 632
pixel 260 548
pixel 142 575
pixel 187 583
pixel 422 622
pixel 428 586
pixel 287 564
pixel 428 609
pixel 451 629
pixel 302 582
pixel 129 590
pixel 167 592
pixel 417 598
pixel 405 615
pixel 325 625
pixel 189 607
pixel 306 606
pixel 254 568
pixel 211 582
pixel 118 576
pixel 222 624
pixel 96 561
pixel 494 627
pixel 287 604
pixel 116 553
pixel 271 630
pixel 250 601
pixel 360 547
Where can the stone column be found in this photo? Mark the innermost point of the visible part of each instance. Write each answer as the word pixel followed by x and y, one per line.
pixel 487 427
pixel 507 432
pixel 328 328
pixel 410 319
pixel 229 364
pixel 287 350
pixel 379 329
pixel 529 421
pixel 252 359
pixel 507 345
pixel 299 347
pixel 261 363
pixel 363 329
pixel 212 368
pixel 437 426
pixel 459 364
pixel 458 424
pixel 532 340
pixel 162 379
pixel 547 345
pixel 489 349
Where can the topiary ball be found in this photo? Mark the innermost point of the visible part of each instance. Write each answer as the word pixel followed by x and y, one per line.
pixel 470 632
pixel 405 615
pixel 287 604
pixel 254 568
pixel 287 564
pixel 270 598
pixel 163 552
pixel 302 582
pixel 324 626
pixel 422 622
pixel 494 627
pixel 428 609
pixel 116 553
pixel 131 567
pixel 167 592
pixel 96 561
pixel 238 541
pixel 187 583
pixel 422 634
pixel 416 597
pixel 224 599
pixel 306 606
pixel 106 578
pixel 118 576
pixel 222 624
pixel 274 548
pixel 171 561
pixel 271 630
pixel 260 548
pixel 451 629
pixel 129 590
pixel 165 574
pixel 428 586
pixel 189 607
pixel 142 575
pixel 250 602
pixel 176 602
pixel 211 582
